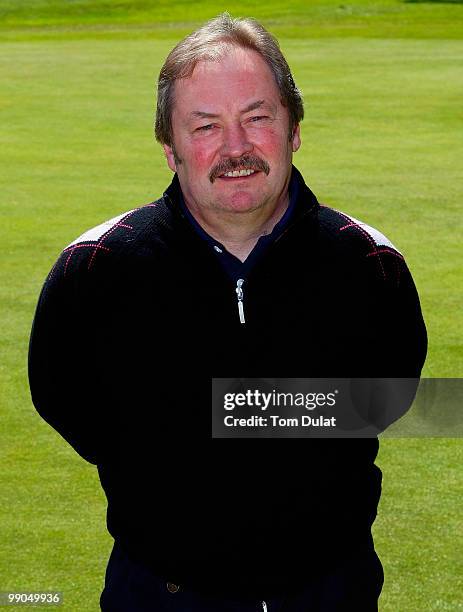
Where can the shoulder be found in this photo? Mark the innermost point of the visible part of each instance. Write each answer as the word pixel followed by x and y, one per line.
pixel 119 237
pixel 357 241
pixel 353 232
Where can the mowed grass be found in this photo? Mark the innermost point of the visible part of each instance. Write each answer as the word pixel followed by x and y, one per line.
pixel 382 141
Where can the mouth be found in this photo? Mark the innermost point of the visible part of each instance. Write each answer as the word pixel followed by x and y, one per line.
pixel 243 168
pixel 234 174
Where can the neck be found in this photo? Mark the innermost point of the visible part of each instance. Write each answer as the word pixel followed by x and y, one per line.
pixel 239 232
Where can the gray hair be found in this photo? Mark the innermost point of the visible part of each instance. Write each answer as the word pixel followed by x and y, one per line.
pixel 210 43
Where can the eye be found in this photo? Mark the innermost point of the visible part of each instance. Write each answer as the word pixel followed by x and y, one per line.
pixel 205 128
pixel 258 118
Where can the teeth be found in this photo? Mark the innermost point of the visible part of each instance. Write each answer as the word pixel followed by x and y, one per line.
pixel 236 173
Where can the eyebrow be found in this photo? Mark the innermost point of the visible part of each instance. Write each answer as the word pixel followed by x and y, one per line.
pixel 253 106
pixel 202 115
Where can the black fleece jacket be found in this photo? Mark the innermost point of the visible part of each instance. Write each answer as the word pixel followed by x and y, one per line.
pixel 135 319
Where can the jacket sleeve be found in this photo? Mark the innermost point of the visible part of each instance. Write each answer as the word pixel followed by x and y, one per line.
pixel 401 332
pixel 64 372
pixel 401 344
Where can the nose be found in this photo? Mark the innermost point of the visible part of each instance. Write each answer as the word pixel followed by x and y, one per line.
pixel 235 141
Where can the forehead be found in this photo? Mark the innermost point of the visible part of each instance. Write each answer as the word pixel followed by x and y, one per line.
pixel 233 80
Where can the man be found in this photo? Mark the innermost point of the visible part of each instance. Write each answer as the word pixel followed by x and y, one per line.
pixel 236 271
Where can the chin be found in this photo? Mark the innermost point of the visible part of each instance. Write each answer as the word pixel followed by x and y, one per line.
pixel 242 203
pixel 241 207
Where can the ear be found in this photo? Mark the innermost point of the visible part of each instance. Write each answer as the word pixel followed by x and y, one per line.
pixel 170 157
pixel 296 139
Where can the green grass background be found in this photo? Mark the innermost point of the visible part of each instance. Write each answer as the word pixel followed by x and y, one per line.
pixel 382 141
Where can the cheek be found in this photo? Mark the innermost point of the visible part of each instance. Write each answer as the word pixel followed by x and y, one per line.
pixel 274 146
pixel 202 158
pixel 273 143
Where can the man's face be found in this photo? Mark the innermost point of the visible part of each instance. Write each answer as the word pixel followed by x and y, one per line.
pixel 228 116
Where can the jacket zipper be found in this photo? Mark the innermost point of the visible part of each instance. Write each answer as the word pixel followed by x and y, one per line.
pixel 240 296
pixel 240 281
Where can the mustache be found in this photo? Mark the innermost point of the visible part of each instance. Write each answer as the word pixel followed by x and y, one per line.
pixel 246 161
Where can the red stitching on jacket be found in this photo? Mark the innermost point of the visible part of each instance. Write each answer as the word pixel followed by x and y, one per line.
pixel 368 237
pixel 73 247
pixel 391 252
pixel 108 232
pixel 81 245
pixel 68 259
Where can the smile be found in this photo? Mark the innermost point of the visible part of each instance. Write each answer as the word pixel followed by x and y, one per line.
pixel 239 168
pixel 238 173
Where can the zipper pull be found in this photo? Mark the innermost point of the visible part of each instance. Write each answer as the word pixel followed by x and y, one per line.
pixel 239 295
